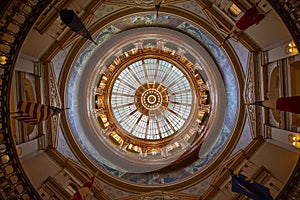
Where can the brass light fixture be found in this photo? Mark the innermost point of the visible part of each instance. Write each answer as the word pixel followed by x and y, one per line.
pixel 294 139
pixel 291 48
pixel 3 60
pixel 234 10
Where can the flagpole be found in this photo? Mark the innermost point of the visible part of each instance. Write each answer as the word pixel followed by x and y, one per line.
pixel 95 43
pixel 157 6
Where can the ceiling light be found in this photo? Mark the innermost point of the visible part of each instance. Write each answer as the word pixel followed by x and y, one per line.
pixel 234 10
pixel 294 139
pixel 3 60
pixel 291 48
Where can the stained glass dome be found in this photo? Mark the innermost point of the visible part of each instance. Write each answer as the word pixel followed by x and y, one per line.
pixel 151 99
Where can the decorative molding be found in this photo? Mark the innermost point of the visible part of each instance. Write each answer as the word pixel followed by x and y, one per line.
pixel 264 58
pixel 232 162
pixel 78 172
pixel 249 95
pixel 37 68
pixel 66 36
pixel 223 23
pixel 272 120
pixel 161 195
pixel 53 100
pixel 267 131
pixel 271 68
pixel 141 3
pixel 53 189
pixel 45 22
pixel 217 20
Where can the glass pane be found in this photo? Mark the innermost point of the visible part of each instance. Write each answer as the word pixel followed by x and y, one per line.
pixel 151 99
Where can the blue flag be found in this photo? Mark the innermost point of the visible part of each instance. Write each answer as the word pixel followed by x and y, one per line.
pixel 244 185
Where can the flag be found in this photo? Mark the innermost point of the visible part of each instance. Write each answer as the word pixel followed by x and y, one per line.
pixel 286 104
pixel 70 18
pixel 251 17
pixel 242 184
pixel 35 113
pixel 289 104
pixel 83 192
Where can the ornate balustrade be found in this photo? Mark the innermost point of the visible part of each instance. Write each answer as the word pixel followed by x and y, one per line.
pixel 15 24
pixel 289 11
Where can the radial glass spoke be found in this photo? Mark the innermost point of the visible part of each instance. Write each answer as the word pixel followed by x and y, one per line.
pixel 120 87
pixel 150 66
pixel 145 71
pixel 176 114
pixel 121 94
pixel 124 105
pixel 178 80
pixel 135 76
pixel 167 119
pixel 171 75
pixel 165 129
pixel 151 99
pixel 140 129
pixel 138 69
pixel 156 71
pixel 180 103
pixel 153 129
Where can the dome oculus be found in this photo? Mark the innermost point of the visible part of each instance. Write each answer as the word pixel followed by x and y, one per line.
pixel 151 99
pixel 147 98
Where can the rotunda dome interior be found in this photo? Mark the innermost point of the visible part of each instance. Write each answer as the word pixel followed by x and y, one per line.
pixel 159 99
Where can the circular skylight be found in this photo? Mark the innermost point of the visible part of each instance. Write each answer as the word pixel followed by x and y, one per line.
pixel 151 99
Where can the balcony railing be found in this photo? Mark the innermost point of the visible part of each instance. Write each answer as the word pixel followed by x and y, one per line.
pixel 16 22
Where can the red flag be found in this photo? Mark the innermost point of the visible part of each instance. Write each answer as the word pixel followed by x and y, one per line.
pixel 35 113
pixel 287 104
pixel 83 192
pixel 251 17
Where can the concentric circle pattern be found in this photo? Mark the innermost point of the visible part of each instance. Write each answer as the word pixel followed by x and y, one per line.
pixel 151 99
pixel 152 103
